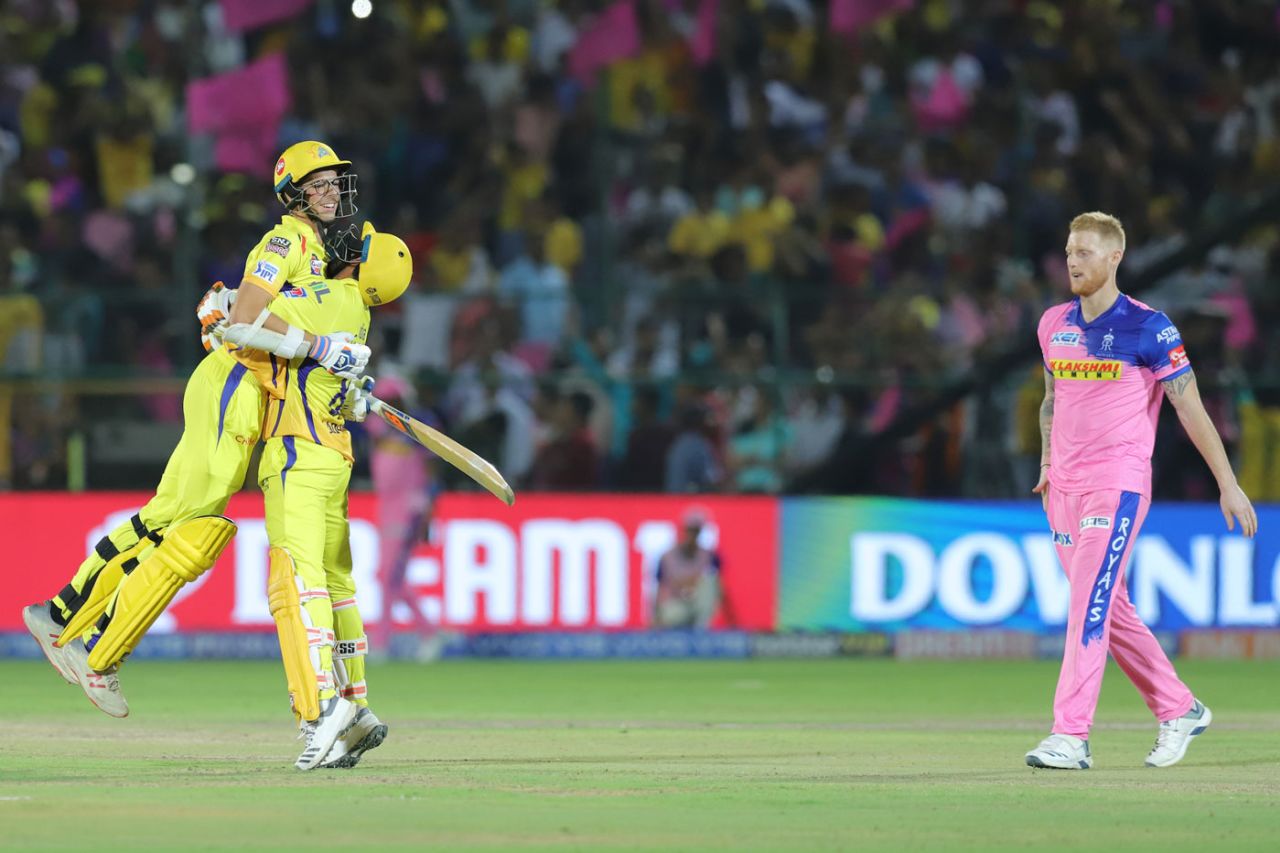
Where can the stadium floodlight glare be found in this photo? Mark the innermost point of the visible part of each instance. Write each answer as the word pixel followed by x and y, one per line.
pixel 182 173
pixel 361 8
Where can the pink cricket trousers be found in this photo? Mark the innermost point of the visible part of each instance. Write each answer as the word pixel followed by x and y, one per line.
pixel 1094 535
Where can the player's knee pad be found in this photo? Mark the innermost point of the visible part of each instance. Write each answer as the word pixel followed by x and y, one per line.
pixel 349 651
pixel 189 550
pixel 87 606
pixel 305 647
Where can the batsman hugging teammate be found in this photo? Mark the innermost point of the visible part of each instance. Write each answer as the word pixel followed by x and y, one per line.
pixel 304 475
pixel 133 573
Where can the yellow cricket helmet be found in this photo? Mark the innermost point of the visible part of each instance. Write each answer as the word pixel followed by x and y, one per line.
pixel 300 160
pixel 385 267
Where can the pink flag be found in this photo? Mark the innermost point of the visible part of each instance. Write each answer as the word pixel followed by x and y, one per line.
pixel 613 35
pixel 702 44
pixel 252 150
pixel 241 15
pixel 849 16
pixel 248 97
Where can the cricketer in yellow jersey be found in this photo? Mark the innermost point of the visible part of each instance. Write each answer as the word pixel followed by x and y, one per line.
pixel 304 474
pixel 180 532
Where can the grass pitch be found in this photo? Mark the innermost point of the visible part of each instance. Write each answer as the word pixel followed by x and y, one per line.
pixel 690 755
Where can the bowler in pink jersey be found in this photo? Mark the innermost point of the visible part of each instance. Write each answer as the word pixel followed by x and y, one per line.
pixel 1108 361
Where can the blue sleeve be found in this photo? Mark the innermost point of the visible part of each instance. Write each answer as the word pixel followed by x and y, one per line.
pixel 1160 345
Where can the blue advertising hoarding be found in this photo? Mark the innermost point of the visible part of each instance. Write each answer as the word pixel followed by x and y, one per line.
pixel 853 564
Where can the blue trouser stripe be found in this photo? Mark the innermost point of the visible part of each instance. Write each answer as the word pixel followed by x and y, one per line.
pixel 290 457
pixel 303 373
pixel 1122 528
pixel 228 390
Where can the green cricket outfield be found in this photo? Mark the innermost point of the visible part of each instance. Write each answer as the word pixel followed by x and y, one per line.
pixel 634 755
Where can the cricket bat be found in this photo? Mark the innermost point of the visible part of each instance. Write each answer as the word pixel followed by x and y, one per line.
pixel 468 462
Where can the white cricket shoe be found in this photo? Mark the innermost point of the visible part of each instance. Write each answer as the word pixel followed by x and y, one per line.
pixel 39 622
pixel 102 687
pixel 1175 735
pixel 1061 752
pixel 336 716
pixel 366 733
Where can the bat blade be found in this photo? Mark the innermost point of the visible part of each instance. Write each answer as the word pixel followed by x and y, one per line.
pixel 467 461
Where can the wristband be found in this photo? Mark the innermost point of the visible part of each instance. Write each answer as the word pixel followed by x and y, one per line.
pixel 320 348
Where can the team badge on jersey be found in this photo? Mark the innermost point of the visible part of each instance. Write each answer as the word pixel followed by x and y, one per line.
pixel 316 267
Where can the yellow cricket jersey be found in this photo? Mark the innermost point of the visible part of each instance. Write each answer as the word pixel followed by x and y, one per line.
pixel 310 405
pixel 289 256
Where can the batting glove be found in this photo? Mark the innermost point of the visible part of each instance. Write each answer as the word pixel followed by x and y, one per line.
pixel 338 355
pixel 213 312
pixel 356 406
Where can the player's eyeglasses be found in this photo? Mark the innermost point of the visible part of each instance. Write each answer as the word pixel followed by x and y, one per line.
pixel 323 185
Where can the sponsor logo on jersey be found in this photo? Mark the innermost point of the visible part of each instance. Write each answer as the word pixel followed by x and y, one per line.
pixel 267 271
pixel 1095 521
pixel 1071 368
pixel 1066 339
pixel 279 245
pixel 294 293
pixel 1168 335
pixel 1178 357
pixel 316 267
pixel 1063 539
pixel 280 167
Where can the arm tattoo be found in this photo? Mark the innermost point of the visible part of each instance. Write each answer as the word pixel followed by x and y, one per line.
pixel 1176 386
pixel 1046 420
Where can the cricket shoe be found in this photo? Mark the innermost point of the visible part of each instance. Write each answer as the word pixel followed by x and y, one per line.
pixel 102 687
pixel 39 622
pixel 1175 735
pixel 366 733
pixel 336 717
pixel 1061 752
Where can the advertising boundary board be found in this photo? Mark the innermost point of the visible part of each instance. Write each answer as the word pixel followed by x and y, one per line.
pixel 798 567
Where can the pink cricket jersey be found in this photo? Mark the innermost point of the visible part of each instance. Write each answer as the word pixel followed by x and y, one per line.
pixel 1106 377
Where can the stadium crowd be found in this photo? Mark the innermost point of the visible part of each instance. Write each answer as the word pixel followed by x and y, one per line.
pixel 681 245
